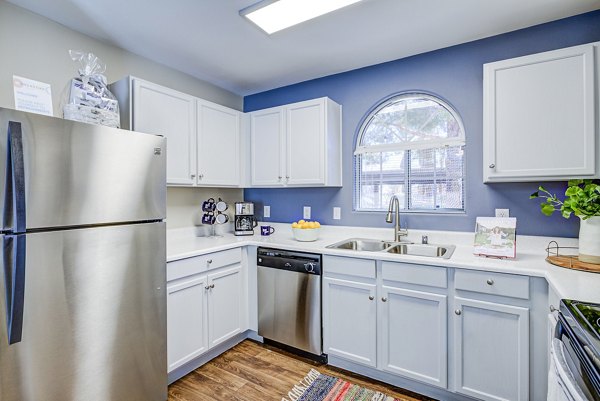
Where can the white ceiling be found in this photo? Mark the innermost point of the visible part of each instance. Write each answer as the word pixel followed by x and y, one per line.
pixel 209 40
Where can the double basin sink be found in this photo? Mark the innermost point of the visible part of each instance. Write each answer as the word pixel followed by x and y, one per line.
pixel 399 248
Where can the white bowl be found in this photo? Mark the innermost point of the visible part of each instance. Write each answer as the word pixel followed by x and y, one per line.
pixel 306 234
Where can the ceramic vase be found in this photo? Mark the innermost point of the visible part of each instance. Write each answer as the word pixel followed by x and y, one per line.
pixel 589 240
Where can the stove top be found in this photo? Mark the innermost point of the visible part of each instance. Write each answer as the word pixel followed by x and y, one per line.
pixel 584 318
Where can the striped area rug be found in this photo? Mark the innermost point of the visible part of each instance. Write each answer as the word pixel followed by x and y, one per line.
pixel 319 387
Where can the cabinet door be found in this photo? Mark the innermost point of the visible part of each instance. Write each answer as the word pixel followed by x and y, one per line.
pixel 306 143
pixel 491 343
pixel 224 305
pixel 267 129
pixel 187 334
pixel 413 335
pixel 349 320
pixel 163 111
pixel 218 145
pixel 545 102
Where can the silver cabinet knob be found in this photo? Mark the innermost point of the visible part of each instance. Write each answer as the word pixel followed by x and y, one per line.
pixel 384 299
pixel 490 281
pixel 201 176
pixel 492 165
pixel 458 312
pixel 193 176
pixel 552 308
pixel 287 177
pixel 212 286
pixel 207 287
pixel 279 178
pixel 371 297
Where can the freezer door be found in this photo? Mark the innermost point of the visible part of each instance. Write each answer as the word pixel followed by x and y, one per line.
pixel 93 316
pixel 77 174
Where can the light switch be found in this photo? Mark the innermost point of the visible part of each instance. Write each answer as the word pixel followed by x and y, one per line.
pixel 337 213
pixel 502 213
pixel 306 212
pixel 267 211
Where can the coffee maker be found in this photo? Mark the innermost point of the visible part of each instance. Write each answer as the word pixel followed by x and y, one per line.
pixel 244 220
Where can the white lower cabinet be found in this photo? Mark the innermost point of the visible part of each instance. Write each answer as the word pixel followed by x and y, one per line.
pixel 224 305
pixel 350 320
pixel 412 340
pixel 205 304
pixel 187 335
pixel 376 324
pixel 491 343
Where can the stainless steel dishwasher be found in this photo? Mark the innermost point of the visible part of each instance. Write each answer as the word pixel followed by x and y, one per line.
pixel 289 299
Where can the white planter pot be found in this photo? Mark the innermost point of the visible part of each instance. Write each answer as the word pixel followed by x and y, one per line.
pixel 589 240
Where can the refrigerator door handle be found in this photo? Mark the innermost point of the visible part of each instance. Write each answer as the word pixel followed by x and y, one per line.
pixel 14 212
pixel 14 279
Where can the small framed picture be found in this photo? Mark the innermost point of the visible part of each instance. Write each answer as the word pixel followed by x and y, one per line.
pixel 496 237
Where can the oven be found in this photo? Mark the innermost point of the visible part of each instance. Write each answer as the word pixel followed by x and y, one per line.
pixel 574 372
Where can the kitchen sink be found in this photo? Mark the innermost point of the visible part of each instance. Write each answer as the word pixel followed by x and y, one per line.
pixel 428 250
pixel 399 248
pixel 359 244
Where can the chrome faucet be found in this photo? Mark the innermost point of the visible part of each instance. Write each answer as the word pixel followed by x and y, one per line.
pixel 398 231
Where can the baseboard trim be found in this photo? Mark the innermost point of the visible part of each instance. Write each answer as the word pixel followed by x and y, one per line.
pixel 211 354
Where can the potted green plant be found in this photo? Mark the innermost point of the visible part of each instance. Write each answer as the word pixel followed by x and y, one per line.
pixel 582 199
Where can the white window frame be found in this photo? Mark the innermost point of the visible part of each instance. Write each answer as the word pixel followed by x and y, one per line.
pixel 396 147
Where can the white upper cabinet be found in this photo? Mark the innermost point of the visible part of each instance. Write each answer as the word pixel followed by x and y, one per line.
pixel 541 116
pixel 267 146
pixel 163 111
pixel 297 144
pixel 203 138
pixel 218 145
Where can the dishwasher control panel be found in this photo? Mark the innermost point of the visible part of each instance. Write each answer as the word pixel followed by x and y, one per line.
pixel 301 262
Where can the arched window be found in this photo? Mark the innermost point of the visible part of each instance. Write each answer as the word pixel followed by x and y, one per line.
pixel 411 145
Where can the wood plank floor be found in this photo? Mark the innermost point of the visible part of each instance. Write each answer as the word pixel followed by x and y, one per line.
pixel 255 372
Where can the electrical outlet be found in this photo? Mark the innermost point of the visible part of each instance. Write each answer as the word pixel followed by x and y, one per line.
pixel 306 213
pixel 267 211
pixel 337 213
pixel 502 213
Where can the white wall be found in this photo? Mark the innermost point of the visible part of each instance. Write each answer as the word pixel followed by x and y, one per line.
pixel 35 47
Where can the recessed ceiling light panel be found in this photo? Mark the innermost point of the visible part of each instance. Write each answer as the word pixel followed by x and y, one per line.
pixel 272 16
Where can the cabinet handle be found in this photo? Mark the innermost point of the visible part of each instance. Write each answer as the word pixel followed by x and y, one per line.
pixel 490 281
pixel 371 297
pixel 287 177
pixel 279 178
pixel 200 176
pixel 384 299
pixel 209 261
pixel 458 312
pixel 552 308
pixel 212 286
pixel 492 165
pixel 193 176
pixel 207 287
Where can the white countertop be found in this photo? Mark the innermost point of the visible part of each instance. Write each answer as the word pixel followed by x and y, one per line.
pixel 571 284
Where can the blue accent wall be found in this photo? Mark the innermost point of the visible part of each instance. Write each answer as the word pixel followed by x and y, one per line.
pixel 456 75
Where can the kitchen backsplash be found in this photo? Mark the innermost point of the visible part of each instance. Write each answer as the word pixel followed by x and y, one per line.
pixel 184 204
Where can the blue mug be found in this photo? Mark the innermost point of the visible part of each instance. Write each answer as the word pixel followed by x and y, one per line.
pixel 266 230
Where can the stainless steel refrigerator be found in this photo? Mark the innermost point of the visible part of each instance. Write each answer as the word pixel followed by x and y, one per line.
pixel 82 277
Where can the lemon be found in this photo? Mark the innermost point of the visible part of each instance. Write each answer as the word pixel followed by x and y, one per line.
pixel 294 225
pixel 312 225
pixel 317 224
pixel 301 222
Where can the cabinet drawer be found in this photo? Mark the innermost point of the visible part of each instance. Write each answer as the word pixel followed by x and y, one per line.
pixel 187 267
pixel 508 285
pixel 349 266
pixel 431 276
